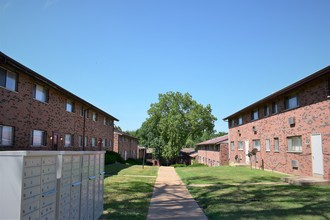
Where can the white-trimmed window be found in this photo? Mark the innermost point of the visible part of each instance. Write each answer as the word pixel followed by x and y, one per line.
pixel 240 145
pixel 291 102
pixel 232 144
pixel 6 136
pixel 93 141
pixel 94 116
pixel 274 107
pixel 267 144
pixel 8 80
pixel 240 120
pixel 86 141
pixel 255 114
pixel 69 106
pixel 105 121
pixel 110 143
pixel 68 140
pixel 39 138
pixel 256 144
pixel 40 93
pixel 294 144
pixel 104 142
pixel 276 145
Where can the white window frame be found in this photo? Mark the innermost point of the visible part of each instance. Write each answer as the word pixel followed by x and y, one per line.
pixel 93 142
pixel 10 80
pixel 241 145
pixel 80 140
pixel 68 140
pixel 39 138
pixel 69 106
pixel 6 136
pixel 268 145
pixel 255 145
pixel 94 116
pixel 41 93
pixel 294 144
pixel 232 145
pixel 105 121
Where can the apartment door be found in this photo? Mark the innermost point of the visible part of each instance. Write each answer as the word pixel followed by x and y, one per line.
pixel 55 140
pixel 247 158
pixel 317 154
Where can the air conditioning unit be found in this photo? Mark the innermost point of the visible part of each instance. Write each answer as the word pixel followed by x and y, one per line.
pixel 292 121
pixel 294 164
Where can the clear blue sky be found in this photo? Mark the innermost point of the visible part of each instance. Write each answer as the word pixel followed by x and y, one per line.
pixel 120 54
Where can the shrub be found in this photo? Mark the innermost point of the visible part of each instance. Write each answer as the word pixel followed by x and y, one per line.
pixel 134 161
pixel 178 165
pixel 112 157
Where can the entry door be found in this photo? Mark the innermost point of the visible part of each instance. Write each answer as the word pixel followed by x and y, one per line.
pixel 317 154
pixel 247 158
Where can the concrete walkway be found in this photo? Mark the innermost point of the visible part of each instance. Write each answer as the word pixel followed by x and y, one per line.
pixel 171 199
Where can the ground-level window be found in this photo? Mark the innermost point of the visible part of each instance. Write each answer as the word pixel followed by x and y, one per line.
pixel 6 136
pixel 240 145
pixel 68 140
pixel 93 141
pixel 256 144
pixel 39 138
pixel 80 141
pixel 276 145
pixel 267 144
pixel 232 144
pixel 8 80
pixel 104 142
pixel 86 141
pixel 294 144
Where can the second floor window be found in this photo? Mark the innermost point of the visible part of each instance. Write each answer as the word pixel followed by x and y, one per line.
pixel 240 120
pixel 276 145
pixel 41 93
pixel 291 102
pixel 94 116
pixel 255 115
pixel 69 106
pixel 232 144
pixel 6 136
pixel 274 107
pixel 266 110
pixel 8 80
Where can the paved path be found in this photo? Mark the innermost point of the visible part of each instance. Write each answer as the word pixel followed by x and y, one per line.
pixel 171 199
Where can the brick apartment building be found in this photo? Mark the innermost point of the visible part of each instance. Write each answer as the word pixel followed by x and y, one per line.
pixel 290 128
pixel 126 145
pixel 37 114
pixel 213 152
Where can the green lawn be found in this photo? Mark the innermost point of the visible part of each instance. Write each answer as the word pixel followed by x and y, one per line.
pixel 234 197
pixel 127 191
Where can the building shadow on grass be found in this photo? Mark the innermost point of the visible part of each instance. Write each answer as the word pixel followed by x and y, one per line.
pixel 114 169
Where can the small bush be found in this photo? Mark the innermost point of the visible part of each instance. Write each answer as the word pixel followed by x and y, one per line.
pixel 112 157
pixel 134 161
pixel 178 165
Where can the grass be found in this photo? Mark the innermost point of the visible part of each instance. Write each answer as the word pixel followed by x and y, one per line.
pixel 232 198
pixel 127 191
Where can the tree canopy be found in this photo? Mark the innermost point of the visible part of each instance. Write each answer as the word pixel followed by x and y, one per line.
pixel 173 122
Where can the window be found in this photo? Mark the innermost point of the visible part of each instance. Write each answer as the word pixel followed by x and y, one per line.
pixel 294 144
pixel 80 141
pixel 231 123
pixel 240 120
pixel 86 141
pixel 240 145
pixel 274 107
pixel 256 144
pixel 81 111
pixel 104 142
pixel 255 115
pixel 267 144
pixel 105 121
pixel 110 143
pixel 232 144
pixel 291 102
pixel 266 110
pixel 276 144
pixel 69 106
pixel 41 93
pixel 6 136
pixel 93 141
pixel 68 140
pixel 8 80
pixel 39 138
pixel 94 116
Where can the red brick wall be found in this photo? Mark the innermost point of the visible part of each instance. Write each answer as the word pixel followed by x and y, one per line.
pixel 212 157
pixel 21 111
pixel 312 117
pixel 125 143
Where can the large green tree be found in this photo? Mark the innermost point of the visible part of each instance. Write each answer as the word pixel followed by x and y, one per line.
pixel 174 120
